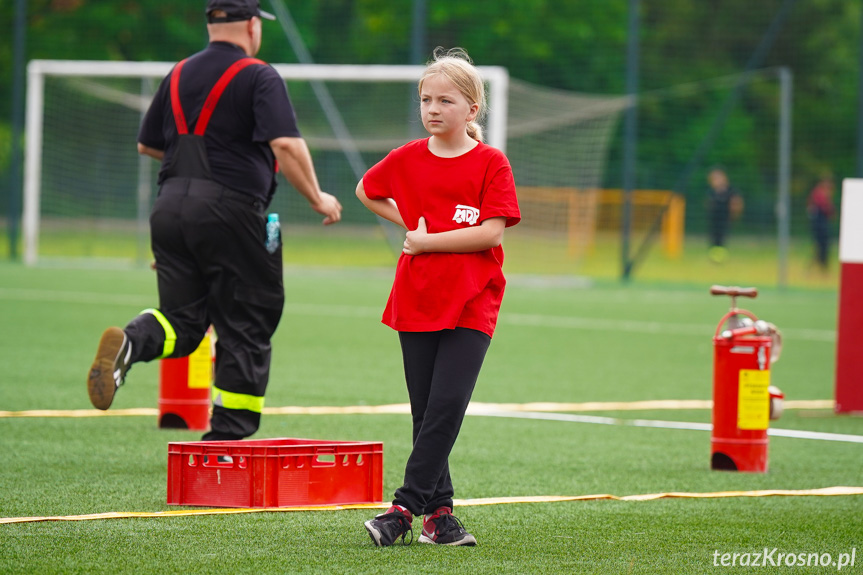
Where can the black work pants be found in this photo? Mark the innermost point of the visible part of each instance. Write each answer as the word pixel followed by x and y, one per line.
pixel 821 235
pixel 719 223
pixel 441 369
pixel 213 268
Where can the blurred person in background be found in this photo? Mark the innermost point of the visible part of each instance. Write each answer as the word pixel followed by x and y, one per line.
pixel 724 204
pixel 820 209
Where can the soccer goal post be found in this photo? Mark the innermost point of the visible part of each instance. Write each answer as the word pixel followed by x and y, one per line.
pixel 82 120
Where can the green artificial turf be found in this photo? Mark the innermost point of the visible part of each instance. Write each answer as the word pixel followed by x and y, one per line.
pixel 557 341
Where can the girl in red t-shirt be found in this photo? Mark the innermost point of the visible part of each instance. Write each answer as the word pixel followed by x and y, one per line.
pixel 455 195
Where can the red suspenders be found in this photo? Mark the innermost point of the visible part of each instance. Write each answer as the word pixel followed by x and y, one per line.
pixel 212 98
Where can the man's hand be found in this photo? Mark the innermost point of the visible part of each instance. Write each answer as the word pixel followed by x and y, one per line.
pixel 328 206
pixel 415 240
pixel 152 152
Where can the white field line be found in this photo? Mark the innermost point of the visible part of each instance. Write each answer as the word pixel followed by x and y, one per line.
pixel 510 318
pixel 480 409
pixel 16 294
pixel 646 327
pixel 693 426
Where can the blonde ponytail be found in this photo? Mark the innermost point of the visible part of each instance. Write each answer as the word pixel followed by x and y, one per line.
pixel 474 130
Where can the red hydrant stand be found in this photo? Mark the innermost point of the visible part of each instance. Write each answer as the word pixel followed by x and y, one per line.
pixel 184 389
pixel 741 397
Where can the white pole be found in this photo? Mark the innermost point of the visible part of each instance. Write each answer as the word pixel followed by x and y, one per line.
pixel 783 208
pixel 33 162
pixel 498 79
pixel 850 230
pixel 145 164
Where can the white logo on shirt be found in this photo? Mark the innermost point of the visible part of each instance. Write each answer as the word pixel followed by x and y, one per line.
pixel 465 214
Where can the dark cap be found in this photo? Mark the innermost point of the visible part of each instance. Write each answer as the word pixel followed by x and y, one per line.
pixel 236 10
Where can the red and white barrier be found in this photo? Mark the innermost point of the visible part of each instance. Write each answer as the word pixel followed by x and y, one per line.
pixel 849 336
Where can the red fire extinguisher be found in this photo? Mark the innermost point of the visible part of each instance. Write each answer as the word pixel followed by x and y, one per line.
pixel 743 399
pixel 184 388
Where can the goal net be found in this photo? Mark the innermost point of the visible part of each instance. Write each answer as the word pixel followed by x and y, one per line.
pixel 88 194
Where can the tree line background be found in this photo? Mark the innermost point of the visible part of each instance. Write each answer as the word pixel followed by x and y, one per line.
pixel 577 45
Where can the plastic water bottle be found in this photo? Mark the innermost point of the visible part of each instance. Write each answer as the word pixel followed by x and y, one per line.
pixel 273 232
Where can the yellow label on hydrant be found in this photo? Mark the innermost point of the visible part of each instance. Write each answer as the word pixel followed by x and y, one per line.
pixel 201 365
pixel 753 399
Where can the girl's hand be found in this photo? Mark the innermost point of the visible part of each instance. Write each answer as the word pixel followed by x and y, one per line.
pixel 415 240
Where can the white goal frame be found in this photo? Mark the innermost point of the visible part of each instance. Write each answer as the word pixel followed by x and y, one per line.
pixel 497 78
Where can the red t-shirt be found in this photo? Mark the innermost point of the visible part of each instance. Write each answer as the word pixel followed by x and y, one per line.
pixel 444 290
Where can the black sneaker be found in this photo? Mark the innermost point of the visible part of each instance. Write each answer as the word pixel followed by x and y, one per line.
pixel 109 368
pixel 386 528
pixel 444 528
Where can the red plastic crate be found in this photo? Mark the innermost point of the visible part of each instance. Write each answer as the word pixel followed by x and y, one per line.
pixel 275 473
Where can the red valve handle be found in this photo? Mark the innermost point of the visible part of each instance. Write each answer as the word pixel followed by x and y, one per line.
pixel 734 291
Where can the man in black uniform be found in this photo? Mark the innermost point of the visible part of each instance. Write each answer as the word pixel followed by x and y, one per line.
pixel 221 124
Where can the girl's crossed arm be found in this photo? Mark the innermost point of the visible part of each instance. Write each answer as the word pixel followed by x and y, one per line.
pixel 487 235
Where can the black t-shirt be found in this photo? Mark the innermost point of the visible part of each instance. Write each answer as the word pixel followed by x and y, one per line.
pixel 254 109
pixel 719 201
